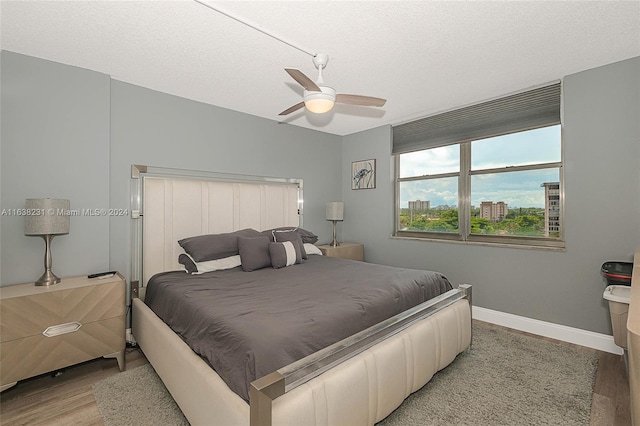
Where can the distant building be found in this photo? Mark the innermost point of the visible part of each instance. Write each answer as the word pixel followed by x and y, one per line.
pixel 419 205
pixel 551 208
pixel 445 207
pixel 493 211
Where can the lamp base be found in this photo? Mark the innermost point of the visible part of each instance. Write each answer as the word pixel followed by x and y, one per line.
pixel 48 278
pixel 335 242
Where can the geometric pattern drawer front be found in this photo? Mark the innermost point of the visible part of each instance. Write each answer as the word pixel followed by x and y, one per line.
pixel 93 303
pixel 29 315
pixel 34 355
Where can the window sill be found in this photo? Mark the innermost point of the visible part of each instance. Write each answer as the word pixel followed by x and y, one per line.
pixel 561 248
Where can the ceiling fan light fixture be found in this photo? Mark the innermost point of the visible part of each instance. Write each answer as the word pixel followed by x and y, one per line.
pixel 320 102
pixel 319 106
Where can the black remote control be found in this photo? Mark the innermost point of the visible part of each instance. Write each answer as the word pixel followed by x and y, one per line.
pixel 101 274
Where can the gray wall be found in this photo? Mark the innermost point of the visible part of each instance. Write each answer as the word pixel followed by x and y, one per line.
pixel 602 206
pixel 74 133
pixel 54 143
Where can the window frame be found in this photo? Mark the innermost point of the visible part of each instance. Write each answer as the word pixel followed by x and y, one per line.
pixel 464 175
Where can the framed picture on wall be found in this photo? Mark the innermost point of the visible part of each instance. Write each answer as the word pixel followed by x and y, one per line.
pixel 363 174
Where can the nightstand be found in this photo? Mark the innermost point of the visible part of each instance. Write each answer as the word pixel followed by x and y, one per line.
pixel 353 251
pixel 47 328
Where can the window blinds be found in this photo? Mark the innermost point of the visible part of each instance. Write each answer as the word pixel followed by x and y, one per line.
pixel 534 108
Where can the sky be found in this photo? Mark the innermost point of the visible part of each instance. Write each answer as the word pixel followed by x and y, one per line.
pixel 517 189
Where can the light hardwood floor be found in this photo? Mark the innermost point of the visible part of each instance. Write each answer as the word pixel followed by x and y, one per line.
pixel 67 399
pixel 63 399
pixel 611 404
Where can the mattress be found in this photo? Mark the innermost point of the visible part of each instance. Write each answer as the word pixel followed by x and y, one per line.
pixel 249 324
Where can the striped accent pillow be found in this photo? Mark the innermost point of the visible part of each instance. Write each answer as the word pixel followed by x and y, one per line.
pixel 286 253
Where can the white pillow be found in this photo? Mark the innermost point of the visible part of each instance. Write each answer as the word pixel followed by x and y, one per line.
pixel 309 248
pixel 217 264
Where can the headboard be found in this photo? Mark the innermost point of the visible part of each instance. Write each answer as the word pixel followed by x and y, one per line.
pixel 175 204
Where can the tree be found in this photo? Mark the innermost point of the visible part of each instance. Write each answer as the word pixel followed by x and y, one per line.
pixel 450 217
pixel 481 226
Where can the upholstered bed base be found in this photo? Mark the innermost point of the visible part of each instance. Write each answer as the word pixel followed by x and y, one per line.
pixel 360 391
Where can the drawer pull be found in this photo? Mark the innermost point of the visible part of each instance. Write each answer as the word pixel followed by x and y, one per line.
pixel 57 330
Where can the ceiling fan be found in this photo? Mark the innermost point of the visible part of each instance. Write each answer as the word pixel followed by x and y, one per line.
pixel 320 98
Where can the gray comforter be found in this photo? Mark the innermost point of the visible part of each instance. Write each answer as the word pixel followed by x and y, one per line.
pixel 249 324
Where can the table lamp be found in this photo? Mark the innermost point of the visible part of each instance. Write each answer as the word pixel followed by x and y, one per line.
pixel 335 212
pixel 49 217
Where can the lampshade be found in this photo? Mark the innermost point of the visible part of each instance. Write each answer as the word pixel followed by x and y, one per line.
pixel 49 216
pixel 335 210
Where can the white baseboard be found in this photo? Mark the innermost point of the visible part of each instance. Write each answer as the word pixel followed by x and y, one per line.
pixel 590 339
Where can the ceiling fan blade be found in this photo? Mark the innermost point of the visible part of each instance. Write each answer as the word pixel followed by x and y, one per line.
pixel 359 100
pixel 293 108
pixel 303 80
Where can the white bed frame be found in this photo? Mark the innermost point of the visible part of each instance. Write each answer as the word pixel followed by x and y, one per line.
pixel 358 381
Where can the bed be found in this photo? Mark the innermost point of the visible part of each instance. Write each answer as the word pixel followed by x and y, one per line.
pixel 355 376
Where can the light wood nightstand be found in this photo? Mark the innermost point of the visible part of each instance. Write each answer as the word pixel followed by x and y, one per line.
pixel 353 251
pixel 47 328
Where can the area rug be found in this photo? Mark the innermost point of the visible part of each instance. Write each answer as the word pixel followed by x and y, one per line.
pixel 506 378
pixel 137 397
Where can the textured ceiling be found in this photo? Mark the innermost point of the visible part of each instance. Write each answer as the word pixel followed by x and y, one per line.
pixel 422 56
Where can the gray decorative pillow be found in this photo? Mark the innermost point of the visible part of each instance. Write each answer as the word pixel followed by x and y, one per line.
pixel 285 254
pixel 189 265
pixel 215 246
pixel 307 236
pixel 290 235
pixel 254 253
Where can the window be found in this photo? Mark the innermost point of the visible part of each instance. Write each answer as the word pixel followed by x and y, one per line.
pixel 504 189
